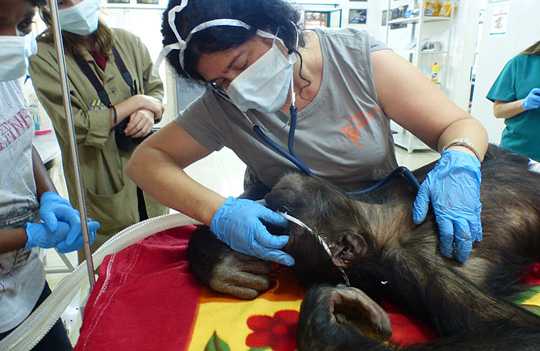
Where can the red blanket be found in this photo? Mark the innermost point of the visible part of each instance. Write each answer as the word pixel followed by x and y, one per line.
pixel 146 299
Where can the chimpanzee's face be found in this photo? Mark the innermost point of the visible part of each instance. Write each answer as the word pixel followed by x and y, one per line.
pixel 327 212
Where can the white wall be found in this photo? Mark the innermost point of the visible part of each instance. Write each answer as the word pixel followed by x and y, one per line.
pixel 496 50
pixel 462 51
pixel 374 20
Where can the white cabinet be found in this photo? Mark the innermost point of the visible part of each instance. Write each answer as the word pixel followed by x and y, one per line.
pixel 421 32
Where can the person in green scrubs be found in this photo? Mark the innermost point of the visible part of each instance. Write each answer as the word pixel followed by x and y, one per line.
pixel 516 97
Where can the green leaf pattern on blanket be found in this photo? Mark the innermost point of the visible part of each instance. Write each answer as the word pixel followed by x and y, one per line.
pixel 522 297
pixel 215 343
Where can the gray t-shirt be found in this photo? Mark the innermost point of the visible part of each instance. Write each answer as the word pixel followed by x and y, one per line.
pixel 342 135
pixel 21 272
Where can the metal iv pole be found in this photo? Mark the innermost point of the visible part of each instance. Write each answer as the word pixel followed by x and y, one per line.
pixel 72 138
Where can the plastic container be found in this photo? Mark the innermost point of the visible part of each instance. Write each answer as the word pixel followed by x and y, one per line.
pixel 432 8
pixel 435 73
pixel 447 9
pixel 437 5
pixel 429 7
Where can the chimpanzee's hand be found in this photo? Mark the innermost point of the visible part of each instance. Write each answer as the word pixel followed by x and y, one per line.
pixel 340 318
pixel 216 265
pixel 242 276
pixel 453 187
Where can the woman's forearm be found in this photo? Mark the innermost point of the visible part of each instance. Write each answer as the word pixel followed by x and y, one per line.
pixel 124 109
pixel 508 109
pixel 41 176
pixel 158 175
pixel 12 239
pixel 469 131
pixel 135 103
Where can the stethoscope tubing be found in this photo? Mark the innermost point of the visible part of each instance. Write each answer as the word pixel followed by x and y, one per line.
pixel 291 156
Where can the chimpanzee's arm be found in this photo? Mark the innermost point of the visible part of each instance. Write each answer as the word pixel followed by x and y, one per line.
pixel 451 303
pixel 502 336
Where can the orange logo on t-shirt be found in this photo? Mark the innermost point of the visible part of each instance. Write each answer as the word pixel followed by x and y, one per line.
pixel 357 122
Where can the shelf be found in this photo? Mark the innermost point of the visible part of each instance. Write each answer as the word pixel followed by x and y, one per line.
pixel 419 36
pixel 426 52
pixel 418 19
pixel 433 52
pixel 408 141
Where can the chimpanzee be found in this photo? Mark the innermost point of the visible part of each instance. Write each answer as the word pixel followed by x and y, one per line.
pixel 387 257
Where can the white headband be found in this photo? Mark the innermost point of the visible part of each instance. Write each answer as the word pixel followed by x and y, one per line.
pixel 181 44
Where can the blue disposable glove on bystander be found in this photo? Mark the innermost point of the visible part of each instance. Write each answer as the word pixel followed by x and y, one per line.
pixel 453 187
pixel 54 208
pixel 532 101
pixel 38 235
pixel 74 240
pixel 238 224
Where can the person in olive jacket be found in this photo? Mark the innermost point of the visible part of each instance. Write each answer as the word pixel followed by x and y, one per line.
pixel 116 100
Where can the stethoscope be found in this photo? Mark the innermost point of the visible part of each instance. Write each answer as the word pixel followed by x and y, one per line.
pixel 291 156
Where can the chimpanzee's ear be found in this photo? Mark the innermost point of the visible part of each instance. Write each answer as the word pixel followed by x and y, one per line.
pixel 350 247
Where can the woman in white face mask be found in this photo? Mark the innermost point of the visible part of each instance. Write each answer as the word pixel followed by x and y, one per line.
pixel 116 100
pixel 27 192
pixel 342 85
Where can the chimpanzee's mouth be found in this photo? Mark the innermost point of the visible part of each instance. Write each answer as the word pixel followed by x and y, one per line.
pixel 296 235
pixel 284 209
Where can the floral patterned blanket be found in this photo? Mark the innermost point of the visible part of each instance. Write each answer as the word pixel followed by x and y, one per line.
pixel 146 299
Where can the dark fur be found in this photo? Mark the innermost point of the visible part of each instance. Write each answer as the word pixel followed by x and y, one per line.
pixel 388 257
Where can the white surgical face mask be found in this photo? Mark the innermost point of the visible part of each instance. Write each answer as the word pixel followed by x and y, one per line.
pixel 81 19
pixel 14 55
pixel 264 86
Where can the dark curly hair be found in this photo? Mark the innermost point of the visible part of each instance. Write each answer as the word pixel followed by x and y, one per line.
pixel 274 16
pixel 533 50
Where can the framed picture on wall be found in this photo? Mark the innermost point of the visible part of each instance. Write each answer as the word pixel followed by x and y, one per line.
pixel 316 19
pixel 148 2
pixel 118 1
pixel 358 16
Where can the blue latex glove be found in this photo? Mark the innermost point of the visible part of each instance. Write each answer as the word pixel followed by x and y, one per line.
pixel 453 187
pixel 54 208
pixel 238 224
pixel 74 240
pixel 38 235
pixel 532 101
